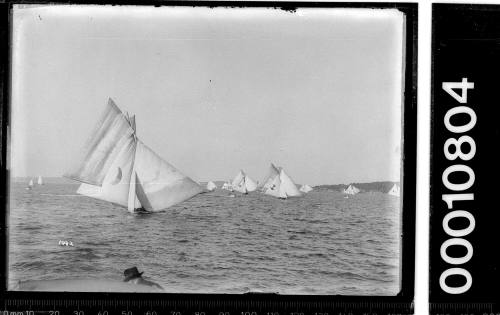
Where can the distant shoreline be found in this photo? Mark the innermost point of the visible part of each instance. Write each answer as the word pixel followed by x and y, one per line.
pixel 378 186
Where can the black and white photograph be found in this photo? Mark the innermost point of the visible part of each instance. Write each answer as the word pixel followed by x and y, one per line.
pixel 194 149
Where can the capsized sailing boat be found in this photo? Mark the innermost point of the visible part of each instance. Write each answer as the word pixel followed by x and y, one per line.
pixel 211 186
pixel 305 188
pixel 40 181
pixel 281 185
pixel 116 166
pixel 351 190
pixel 395 190
pixel 243 183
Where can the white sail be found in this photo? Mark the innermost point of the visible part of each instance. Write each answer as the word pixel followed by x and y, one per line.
pixel 162 183
pixel 116 183
pixel 250 184
pixel 305 188
pixel 227 186
pixel 273 172
pixel 117 167
pixel 238 178
pixel 351 190
pixel 132 122
pixel 279 184
pixel 30 183
pixel 273 188
pixel 211 186
pixel 238 183
pixel 40 180
pixel 395 190
pixel 287 186
pixel 110 135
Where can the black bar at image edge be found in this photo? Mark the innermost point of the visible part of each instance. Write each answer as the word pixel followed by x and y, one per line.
pixel 4 122
pixel 464 254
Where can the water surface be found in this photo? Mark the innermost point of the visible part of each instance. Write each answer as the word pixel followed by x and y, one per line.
pixel 321 243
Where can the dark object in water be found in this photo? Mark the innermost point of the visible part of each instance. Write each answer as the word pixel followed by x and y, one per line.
pixel 132 275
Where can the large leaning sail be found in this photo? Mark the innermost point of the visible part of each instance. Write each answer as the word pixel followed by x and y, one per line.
pixel 116 166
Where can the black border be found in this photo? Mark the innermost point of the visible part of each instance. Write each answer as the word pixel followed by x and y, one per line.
pixel 402 303
pixel 470 31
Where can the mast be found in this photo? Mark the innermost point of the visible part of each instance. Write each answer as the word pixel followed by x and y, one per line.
pixel 116 166
pixel 238 183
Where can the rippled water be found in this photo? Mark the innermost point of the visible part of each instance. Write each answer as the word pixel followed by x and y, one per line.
pixel 321 243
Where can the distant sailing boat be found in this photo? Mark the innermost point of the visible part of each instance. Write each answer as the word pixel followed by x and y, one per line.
pixel 116 166
pixel 227 186
pixel 395 190
pixel 211 186
pixel 268 182
pixel 40 181
pixel 279 184
pixel 30 184
pixel 351 190
pixel 243 183
pixel 305 188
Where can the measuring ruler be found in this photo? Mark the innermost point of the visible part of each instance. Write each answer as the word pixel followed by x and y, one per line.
pixel 205 305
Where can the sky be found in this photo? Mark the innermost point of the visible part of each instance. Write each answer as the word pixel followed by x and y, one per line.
pixel 316 91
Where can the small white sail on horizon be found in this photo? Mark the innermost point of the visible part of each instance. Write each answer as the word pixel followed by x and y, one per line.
pixel 227 186
pixel 305 188
pixel 30 184
pixel 40 180
pixel 395 190
pixel 243 183
pixel 351 190
pixel 211 186
pixel 117 167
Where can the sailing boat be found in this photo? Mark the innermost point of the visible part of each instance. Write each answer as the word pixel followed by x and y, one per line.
pixel 243 183
pixel 395 190
pixel 227 186
pixel 268 182
pixel 30 184
pixel 305 188
pixel 40 181
pixel 351 190
pixel 116 166
pixel 211 186
pixel 281 185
